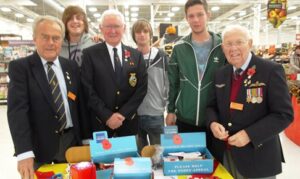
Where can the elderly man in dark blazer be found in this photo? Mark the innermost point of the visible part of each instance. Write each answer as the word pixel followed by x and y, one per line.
pixel 114 78
pixel 43 106
pixel 251 107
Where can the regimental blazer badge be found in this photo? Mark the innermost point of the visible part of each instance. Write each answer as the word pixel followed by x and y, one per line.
pixel 132 79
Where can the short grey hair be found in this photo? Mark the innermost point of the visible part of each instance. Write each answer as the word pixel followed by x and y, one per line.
pixel 40 19
pixel 110 12
pixel 236 27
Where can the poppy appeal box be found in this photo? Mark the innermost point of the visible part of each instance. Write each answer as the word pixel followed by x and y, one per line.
pixel 133 168
pixel 185 154
pixel 104 150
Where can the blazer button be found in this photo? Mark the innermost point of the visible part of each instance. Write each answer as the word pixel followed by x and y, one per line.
pixel 229 124
pixel 117 107
pixel 56 132
pixel 56 116
pixel 118 92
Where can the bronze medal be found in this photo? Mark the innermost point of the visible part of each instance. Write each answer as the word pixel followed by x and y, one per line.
pixel 253 100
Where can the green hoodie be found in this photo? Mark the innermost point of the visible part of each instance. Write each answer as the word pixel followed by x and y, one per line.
pixel 185 98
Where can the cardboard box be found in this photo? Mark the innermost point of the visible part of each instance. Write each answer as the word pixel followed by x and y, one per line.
pixel 107 149
pixel 186 142
pixel 133 168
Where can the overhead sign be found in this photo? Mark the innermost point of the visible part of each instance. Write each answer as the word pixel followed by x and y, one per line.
pixel 277 12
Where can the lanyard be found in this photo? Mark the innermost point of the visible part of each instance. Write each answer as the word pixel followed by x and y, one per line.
pixel 69 47
pixel 149 56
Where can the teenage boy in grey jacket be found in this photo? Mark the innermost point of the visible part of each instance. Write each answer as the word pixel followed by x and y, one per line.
pixel 151 111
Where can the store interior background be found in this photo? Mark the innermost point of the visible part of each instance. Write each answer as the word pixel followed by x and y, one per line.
pixel 16 17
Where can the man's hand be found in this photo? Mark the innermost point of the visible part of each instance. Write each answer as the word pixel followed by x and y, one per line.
pixel 219 131
pixel 240 139
pixel 25 168
pixel 115 121
pixel 171 119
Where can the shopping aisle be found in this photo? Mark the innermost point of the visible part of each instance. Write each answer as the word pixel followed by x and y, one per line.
pixel 8 162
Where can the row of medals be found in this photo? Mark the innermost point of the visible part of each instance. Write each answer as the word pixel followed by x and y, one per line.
pixel 252 98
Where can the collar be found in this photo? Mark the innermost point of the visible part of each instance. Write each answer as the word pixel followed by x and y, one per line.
pixel 55 62
pixel 110 48
pixel 245 65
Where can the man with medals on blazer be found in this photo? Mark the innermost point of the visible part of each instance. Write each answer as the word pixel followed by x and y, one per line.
pixel 43 100
pixel 250 107
pixel 114 77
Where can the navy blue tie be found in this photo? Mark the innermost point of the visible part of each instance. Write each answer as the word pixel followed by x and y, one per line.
pixel 118 67
pixel 57 97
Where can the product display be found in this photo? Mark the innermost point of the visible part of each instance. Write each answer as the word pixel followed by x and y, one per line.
pixel 11 50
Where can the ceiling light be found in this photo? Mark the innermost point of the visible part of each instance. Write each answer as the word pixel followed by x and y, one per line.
pixel 171 14
pixel 134 9
pixel 29 20
pixel 167 19
pixel 93 9
pixel 5 9
pixel 133 19
pixel 174 9
pixel 231 18
pixel 97 15
pixel 263 18
pixel 242 13
pixel 134 14
pixel 126 6
pixel 19 15
pixel 294 17
pixel 292 8
pixel 215 8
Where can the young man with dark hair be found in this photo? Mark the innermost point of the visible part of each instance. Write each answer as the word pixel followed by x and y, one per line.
pixel 194 60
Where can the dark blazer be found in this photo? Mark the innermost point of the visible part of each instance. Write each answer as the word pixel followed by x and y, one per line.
pixel 104 96
pixel 31 112
pixel 263 121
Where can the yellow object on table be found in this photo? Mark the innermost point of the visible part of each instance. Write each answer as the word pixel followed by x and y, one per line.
pixel 56 168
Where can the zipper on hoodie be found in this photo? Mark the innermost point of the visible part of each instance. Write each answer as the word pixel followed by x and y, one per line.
pixel 199 82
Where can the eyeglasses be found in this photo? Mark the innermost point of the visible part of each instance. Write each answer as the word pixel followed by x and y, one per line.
pixel 54 39
pixel 238 43
pixel 116 27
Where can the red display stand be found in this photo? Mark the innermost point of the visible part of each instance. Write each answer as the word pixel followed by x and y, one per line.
pixel 293 131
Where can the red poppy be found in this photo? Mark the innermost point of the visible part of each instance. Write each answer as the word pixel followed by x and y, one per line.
pixel 127 54
pixel 251 71
pixel 128 161
pixel 177 139
pixel 106 144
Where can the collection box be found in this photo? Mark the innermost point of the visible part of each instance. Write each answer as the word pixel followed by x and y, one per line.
pixel 105 150
pixel 132 168
pixel 186 142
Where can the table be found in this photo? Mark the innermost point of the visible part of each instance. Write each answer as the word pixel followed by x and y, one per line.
pixel 219 171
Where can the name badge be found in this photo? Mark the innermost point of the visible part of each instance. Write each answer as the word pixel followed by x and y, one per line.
pixel 71 95
pixel 236 106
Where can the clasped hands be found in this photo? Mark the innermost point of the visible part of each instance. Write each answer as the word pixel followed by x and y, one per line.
pixel 115 121
pixel 239 139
